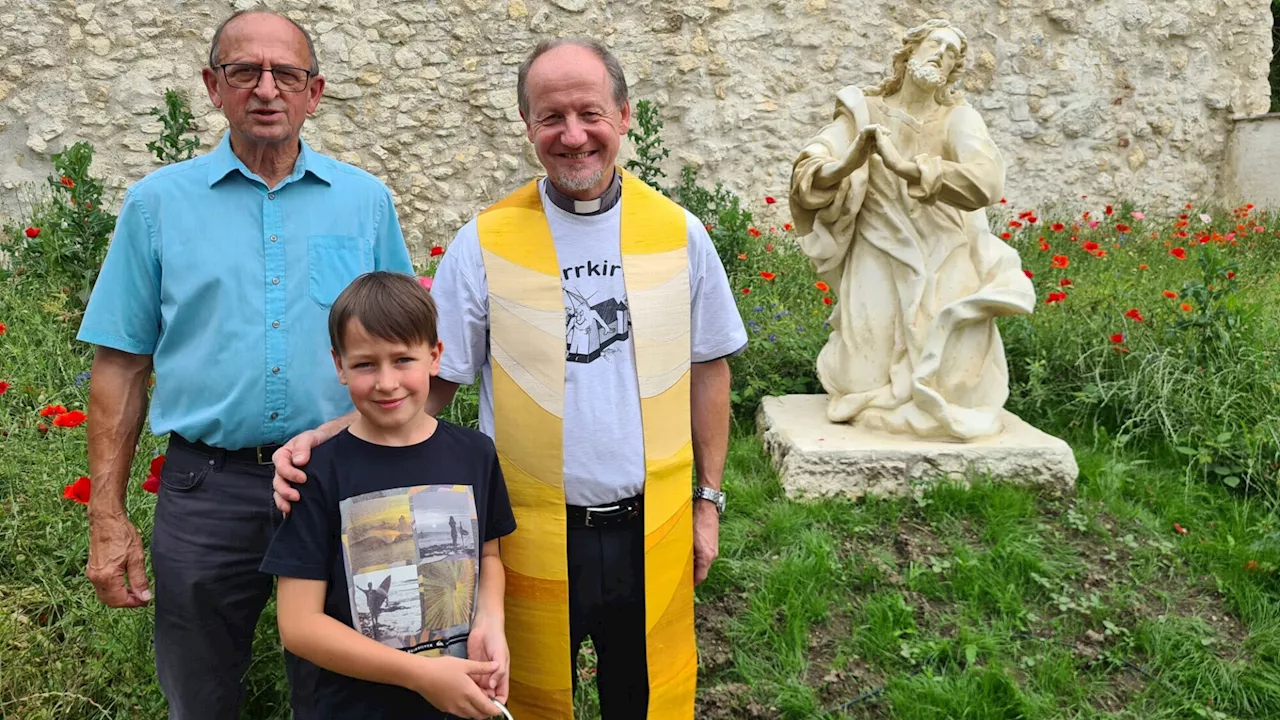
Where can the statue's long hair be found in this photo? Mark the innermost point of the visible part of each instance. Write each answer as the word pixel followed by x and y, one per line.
pixel 947 94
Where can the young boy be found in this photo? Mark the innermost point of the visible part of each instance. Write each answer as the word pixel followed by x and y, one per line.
pixel 390 579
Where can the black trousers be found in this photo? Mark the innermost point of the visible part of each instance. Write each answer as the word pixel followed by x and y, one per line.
pixel 214 520
pixel 606 602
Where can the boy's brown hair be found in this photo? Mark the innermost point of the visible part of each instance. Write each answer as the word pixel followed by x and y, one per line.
pixel 391 306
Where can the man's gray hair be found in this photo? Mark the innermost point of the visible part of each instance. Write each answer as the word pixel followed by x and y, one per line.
pixel 617 78
pixel 217 37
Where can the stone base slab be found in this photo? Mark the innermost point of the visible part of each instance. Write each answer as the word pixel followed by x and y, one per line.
pixel 818 458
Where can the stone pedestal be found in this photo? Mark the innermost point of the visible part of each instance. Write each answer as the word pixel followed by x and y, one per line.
pixel 818 458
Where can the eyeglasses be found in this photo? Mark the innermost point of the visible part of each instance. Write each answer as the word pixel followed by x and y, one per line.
pixel 245 76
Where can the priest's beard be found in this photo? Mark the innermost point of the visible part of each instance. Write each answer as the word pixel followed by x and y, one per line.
pixel 925 74
pixel 580 181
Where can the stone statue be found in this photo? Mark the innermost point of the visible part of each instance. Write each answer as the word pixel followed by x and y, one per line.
pixel 888 202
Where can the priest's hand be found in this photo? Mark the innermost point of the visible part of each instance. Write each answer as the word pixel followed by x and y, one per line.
pixel 863 146
pixel 706 538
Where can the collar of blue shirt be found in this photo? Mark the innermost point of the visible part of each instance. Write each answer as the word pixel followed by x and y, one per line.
pixel 222 161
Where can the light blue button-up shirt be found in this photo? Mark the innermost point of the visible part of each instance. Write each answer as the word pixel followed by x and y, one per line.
pixel 227 284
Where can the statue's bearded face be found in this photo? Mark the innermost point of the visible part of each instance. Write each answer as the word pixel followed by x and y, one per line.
pixel 932 62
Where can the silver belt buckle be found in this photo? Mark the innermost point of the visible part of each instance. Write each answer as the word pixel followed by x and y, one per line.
pixel 591 510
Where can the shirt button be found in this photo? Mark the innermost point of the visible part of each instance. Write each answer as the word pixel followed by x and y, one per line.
pixel 275 324
pixel 271 196
pixel 275 415
pixel 273 238
pixel 275 281
pixel 275 370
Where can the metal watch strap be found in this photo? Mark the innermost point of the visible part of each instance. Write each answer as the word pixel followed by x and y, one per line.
pixel 716 497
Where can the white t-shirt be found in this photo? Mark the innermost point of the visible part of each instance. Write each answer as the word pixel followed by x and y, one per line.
pixel 603 437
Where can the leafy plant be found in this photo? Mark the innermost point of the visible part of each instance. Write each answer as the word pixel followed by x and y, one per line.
pixel 176 122
pixel 647 137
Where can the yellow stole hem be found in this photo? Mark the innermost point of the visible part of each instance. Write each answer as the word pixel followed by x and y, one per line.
pixel 527 347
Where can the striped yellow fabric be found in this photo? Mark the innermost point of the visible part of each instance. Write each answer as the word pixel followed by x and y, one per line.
pixel 527 354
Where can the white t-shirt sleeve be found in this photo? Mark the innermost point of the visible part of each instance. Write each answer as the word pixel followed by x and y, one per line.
pixel 716 325
pixel 462 301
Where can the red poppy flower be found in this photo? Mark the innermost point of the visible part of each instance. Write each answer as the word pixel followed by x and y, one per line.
pixel 42 428
pixel 1015 224
pixel 742 256
pixel 1251 566
pixel 51 410
pixel 1117 338
pixel 1044 245
pixel 78 490
pixel 708 227
pixel 3 329
pixel 1032 219
pixel 753 232
pixel 1030 275
pixel 4 387
pixel 1135 315
pixel 768 200
pixel 746 291
pixel 768 248
pixel 1185 307
pixel 68 182
pixel 437 251
pixel 1144 266
pixel 1090 246
pixel 1055 297
pixel 767 275
pixel 1108 210
pixel 1060 262
pixel 1003 201
pixel 1179 529
pixel 157 464
pixel 1122 228
pixel 1179 253
pixel 1100 254
pixel 788 226
pixel 1231 275
pixel 152 484
pixel 1059 227
pixel 75 418
pixel 826 300
pixel 822 286
pixel 1170 294
pixel 1006 236
pixel 1064 283
pixel 33 232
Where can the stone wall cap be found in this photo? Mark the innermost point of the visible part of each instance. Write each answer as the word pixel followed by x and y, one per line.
pixel 1264 116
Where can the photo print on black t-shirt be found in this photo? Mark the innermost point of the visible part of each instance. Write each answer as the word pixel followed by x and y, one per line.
pixel 591 326
pixel 412 560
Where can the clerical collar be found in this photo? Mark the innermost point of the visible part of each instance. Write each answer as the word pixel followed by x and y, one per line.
pixel 604 203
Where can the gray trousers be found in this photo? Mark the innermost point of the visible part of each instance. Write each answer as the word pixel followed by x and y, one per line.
pixel 214 520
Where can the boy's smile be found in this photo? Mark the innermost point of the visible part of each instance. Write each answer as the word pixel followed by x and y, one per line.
pixel 388 381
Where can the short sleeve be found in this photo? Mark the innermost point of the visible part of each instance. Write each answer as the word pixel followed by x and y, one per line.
pixel 462 301
pixel 390 252
pixel 501 520
pixel 716 324
pixel 304 545
pixel 124 306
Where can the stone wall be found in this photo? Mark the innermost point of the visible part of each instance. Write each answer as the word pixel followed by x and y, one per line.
pixel 1109 98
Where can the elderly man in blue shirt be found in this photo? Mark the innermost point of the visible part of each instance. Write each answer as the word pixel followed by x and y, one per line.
pixel 219 278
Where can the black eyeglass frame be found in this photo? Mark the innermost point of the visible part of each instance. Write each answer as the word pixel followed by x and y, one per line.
pixel 275 78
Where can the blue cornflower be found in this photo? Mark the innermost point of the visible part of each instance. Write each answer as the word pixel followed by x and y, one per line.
pixel 757 309
pixel 773 338
pixel 781 315
pixel 82 378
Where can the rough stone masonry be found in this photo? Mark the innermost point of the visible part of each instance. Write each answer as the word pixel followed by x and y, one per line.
pixel 1113 99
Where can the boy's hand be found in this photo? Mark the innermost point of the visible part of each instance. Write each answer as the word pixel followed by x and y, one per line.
pixel 451 684
pixel 489 643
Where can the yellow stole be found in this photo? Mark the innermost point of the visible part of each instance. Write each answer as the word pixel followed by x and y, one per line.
pixel 527 348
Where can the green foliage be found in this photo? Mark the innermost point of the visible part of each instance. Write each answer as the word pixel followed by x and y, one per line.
pixel 71 228
pixel 176 123
pixel 646 134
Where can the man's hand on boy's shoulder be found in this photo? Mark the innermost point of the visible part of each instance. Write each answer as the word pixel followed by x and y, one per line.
pixel 295 454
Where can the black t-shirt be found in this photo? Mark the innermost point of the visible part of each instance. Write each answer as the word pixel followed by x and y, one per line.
pixel 397 534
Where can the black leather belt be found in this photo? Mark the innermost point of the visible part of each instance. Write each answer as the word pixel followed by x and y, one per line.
pixel 259 455
pixel 622 512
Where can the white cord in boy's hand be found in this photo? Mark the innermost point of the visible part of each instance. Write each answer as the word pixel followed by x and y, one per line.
pixel 453 685
pixel 489 642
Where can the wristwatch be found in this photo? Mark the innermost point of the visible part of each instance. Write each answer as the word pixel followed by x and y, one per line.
pixel 715 496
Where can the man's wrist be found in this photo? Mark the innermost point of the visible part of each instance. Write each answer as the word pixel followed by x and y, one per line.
pixel 712 495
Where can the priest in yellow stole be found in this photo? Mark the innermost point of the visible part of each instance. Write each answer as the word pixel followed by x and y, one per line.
pixel 599 317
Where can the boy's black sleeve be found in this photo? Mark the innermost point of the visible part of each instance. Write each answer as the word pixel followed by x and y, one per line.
pixel 303 547
pixel 501 521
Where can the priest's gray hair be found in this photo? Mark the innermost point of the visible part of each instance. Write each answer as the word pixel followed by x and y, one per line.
pixel 617 78
pixel 947 94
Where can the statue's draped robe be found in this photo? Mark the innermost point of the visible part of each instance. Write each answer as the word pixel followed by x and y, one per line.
pixel 917 273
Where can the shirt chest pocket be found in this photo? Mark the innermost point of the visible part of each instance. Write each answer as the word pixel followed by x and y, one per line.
pixel 334 261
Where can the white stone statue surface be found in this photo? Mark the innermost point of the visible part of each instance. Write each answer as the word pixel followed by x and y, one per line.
pixel 888 201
